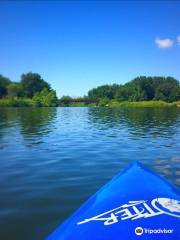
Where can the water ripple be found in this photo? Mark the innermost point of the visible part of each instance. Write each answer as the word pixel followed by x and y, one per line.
pixel 53 159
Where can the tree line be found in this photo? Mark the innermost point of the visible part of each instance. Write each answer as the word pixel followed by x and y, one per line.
pixel 30 90
pixel 140 89
pixel 33 90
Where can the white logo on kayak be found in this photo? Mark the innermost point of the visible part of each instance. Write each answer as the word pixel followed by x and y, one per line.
pixel 138 209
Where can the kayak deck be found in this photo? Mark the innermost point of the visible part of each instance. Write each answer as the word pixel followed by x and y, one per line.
pixel 135 202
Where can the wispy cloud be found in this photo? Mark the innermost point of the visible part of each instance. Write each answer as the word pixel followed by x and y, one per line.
pixel 164 42
pixel 178 40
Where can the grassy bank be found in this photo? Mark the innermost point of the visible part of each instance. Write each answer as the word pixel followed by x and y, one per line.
pixel 114 103
pixel 143 104
pixel 82 104
pixel 17 102
pixel 26 102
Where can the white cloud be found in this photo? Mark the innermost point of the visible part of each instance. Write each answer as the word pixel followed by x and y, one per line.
pixel 178 40
pixel 164 43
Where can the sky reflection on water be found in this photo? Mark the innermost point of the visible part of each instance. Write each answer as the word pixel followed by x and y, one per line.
pixel 53 159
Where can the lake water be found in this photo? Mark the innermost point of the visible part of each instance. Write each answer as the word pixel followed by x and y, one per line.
pixel 53 159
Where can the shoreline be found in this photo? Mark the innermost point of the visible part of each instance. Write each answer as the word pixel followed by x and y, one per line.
pixel 112 103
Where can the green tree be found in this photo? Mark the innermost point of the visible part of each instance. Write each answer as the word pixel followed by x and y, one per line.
pixel 139 89
pixel 65 101
pixel 32 83
pixel 105 91
pixel 14 90
pixel 168 90
pixel 103 102
pixel 3 85
pixel 144 87
pixel 45 98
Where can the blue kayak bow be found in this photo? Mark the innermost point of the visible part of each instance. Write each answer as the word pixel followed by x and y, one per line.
pixel 135 204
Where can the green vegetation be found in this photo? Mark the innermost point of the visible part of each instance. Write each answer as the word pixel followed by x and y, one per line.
pixel 66 101
pixel 139 89
pixel 3 85
pixel 142 91
pixel 45 98
pixel 30 91
pixel 143 104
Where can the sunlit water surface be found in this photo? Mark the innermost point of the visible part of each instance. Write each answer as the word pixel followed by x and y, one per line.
pixel 53 159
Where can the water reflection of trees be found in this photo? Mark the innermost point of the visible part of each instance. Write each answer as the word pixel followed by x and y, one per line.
pixel 139 121
pixel 33 123
pixel 36 123
pixel 8 119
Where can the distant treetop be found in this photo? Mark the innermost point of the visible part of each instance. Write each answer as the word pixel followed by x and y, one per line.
pixel 140 89
pixel 31 87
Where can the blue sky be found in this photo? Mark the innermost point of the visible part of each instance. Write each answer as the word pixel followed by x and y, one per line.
pixel 76 46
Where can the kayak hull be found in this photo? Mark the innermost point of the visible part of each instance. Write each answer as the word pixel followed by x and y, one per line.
pixel 135 203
